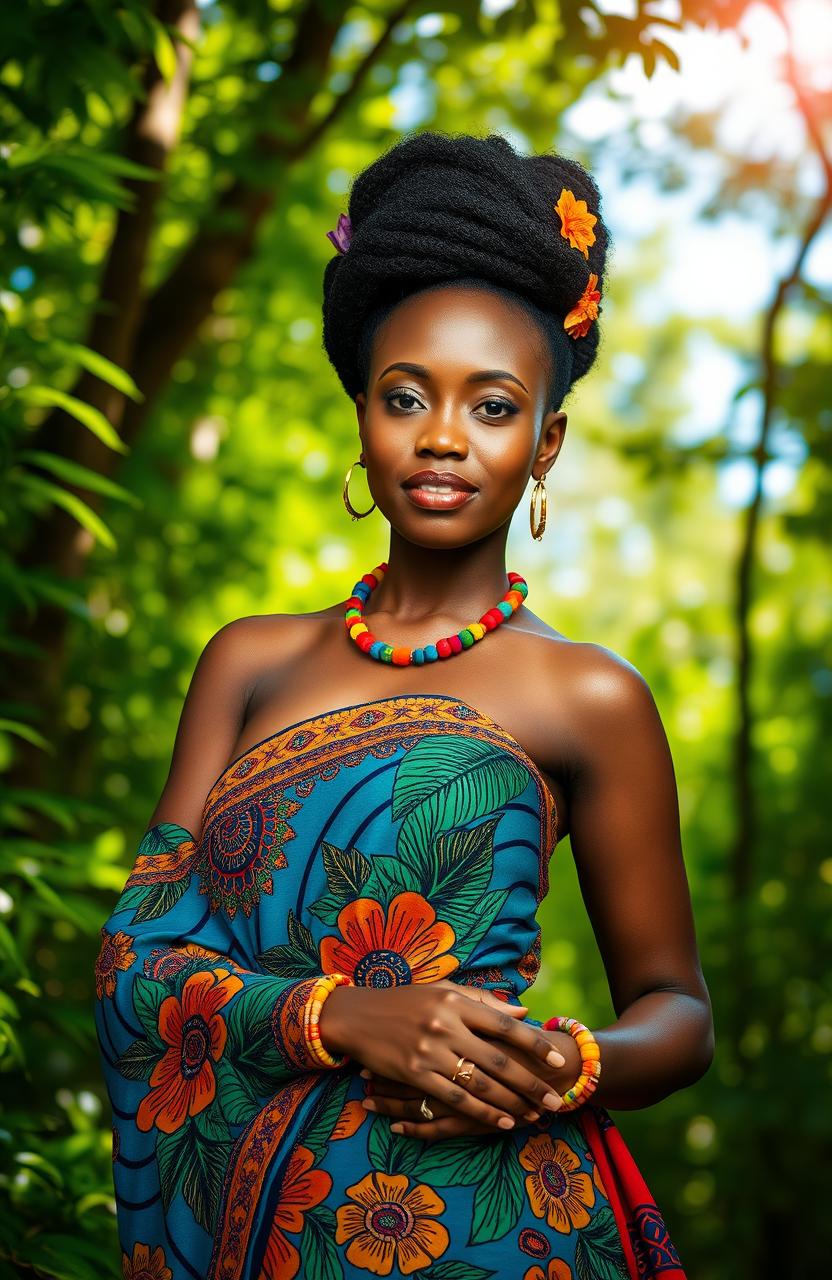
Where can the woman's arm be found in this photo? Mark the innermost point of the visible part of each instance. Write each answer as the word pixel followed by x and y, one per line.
pixel 625 836
pixel 188 1024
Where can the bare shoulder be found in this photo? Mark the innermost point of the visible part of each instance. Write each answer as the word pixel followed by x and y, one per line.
pixel 582 674
pixel 215 709
pixel 611 713
pixel 602 681
pixel 244 641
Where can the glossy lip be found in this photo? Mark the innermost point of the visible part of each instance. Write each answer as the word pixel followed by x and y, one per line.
pixel 449 478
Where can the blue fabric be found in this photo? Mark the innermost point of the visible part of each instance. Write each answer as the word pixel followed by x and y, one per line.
pixel 403 840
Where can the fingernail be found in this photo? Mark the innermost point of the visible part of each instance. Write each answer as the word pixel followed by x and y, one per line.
pixel 365 1072
pixel 506 1122
pixel 369 1104
pixel 397 1128
pixel 554 1058
pixel 552 1101
pixel 532 1115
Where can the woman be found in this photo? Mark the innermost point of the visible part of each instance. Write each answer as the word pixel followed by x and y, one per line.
pixel 408 1116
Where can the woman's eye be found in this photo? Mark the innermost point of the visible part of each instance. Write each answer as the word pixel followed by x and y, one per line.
pixel 500 404
pixel 401 395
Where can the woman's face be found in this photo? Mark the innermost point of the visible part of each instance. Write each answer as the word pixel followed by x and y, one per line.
pixel 454 419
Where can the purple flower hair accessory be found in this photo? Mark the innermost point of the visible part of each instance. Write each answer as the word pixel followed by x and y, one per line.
pixel 342 234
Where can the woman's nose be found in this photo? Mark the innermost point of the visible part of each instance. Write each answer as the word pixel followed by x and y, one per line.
pixel 442 438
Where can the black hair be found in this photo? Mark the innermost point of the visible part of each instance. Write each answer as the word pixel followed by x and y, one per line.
pixel 438 209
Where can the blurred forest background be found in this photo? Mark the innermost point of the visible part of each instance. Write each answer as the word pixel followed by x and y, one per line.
pixel 174 444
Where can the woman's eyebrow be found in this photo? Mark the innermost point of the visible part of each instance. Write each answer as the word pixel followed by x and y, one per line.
pixel 484 375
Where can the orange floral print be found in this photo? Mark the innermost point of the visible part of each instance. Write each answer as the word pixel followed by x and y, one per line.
pixel 170 865
pixel 408 944
pixel 597 1179
pixel 352 1116
pixel 116 955
pixel 555 1190
pixel 145 1265
pixel 556 1270
pixel 576 222
pixel 303 1188
pixel 165 963
pixel 391 1222
pixel 585 310
pixel 182 1082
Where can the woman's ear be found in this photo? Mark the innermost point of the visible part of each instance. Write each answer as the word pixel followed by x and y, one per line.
pixel 360 410
pixel 552 432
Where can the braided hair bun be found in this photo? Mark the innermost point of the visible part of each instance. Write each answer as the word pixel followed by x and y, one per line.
pixel 437 209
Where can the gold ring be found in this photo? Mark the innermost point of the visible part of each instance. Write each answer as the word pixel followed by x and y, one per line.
pixel 425 1109
pixel 463 1075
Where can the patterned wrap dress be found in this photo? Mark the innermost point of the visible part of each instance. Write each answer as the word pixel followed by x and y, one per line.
pixel 400 840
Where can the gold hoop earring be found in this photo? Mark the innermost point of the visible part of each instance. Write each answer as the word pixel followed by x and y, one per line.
pixel 356 515
pixel 537 518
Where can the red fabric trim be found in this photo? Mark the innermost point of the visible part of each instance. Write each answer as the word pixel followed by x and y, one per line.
pixel 648 1249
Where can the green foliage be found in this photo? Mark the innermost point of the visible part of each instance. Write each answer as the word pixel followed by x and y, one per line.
pixel 221 498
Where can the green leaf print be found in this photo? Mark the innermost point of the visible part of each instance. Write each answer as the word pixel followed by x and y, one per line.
pixel 158 899
pixel 205 1170
pixel 453 1162
pixel 598 1254
pixel 390 876
pixel 327 907
pixel 447 780
pixel 162 838
pixel 237 1099
pixel 300 937
pixel 296 959
pixel 155 900
pixel 148 995
pixel 488 908
pixel 212 1123
pixel 499 1196
pixel 138 1060
pixel 463 861
pixel 172 1151
pixel 286 961
pixel 346 871
pixel 249 1017
pixel 317 1245
pixel 392 1153
pixel 195 1164
pixel 452 1271
pixel 317 1136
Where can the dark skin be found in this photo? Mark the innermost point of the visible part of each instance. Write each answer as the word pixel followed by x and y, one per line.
pixel 584 715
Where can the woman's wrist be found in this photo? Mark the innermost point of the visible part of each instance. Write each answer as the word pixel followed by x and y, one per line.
pixel 563 1078
pixel 337 1021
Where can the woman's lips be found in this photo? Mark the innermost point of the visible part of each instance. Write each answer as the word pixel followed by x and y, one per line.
pixel 438 497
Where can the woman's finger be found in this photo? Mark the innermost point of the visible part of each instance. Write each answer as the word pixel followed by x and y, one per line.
pixel 482 1098
pixel 445 1127
pixel 479 1016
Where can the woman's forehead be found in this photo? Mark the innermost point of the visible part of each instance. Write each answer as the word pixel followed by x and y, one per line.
pixel 460 327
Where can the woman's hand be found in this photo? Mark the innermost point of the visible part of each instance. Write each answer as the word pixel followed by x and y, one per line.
pixel 415 1035
pixel 401 1101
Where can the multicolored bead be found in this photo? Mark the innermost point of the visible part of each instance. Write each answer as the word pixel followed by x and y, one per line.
pixel 399 656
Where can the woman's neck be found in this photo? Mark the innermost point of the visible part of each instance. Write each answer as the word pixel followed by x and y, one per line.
pixel 422 581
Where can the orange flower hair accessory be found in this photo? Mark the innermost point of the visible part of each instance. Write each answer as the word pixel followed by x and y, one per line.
pixel 585 310
pixel 576 222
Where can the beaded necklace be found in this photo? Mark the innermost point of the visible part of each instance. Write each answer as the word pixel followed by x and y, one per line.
pixel 445 648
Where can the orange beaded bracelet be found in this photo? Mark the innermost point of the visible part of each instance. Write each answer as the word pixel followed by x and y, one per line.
pixel 587 1081
pixel 324 987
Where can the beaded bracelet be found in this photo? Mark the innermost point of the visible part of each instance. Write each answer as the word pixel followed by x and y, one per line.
pixel 587 1081
pixel 324 987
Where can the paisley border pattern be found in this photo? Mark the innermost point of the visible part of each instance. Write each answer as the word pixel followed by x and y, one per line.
pixel 317 748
